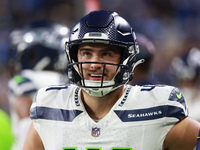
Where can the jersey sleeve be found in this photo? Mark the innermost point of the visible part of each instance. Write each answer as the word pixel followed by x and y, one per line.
pixel 46 102
pixel 20 85
pixel 176 107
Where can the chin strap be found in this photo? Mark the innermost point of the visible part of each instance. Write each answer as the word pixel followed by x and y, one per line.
pixel 99 92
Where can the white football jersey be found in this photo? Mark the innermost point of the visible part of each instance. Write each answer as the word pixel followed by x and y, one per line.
pixel 27 83
pixel 139 120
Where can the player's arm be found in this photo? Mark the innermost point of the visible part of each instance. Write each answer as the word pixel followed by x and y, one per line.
pixel 33 140
pixel 22 106
pixel 183 135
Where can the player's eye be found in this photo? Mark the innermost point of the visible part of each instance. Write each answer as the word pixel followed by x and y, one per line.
pixel 86 54
pixel 106 54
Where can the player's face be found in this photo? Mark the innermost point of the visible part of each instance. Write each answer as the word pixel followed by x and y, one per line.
pixel 98 53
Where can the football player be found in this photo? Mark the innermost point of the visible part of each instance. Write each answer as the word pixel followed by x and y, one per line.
pixel 186 69
pixel 36 51
pixel 100 111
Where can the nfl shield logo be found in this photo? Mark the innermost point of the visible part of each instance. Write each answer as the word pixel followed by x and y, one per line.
pixel 95 132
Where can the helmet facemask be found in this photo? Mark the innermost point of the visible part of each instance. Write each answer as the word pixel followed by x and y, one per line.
pixel 124 73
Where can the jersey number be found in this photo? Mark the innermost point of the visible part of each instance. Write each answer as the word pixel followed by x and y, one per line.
pixel 148 87
pixel 151 87
pixel 97 148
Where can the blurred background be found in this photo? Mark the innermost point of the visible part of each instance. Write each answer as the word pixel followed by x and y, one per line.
pixel 173 26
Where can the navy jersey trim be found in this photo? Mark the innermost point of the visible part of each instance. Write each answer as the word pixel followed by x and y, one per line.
pixel 125 96
pixel 76 97
pixel 150 113
pixel 57 88
pixel 30 92
pixel 54 114
pixel 198 142
pixel 176 95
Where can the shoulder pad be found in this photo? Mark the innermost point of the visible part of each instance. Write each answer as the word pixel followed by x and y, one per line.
pixel 20 85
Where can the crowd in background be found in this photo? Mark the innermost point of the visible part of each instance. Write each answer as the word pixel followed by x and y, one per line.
pixel 173 26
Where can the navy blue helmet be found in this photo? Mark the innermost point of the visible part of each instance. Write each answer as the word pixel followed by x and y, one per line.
pixel 38 46
pixel 102 27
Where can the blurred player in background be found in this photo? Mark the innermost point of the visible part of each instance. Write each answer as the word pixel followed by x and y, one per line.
pixel 37 60
pixel 186 69
pixel 142 73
